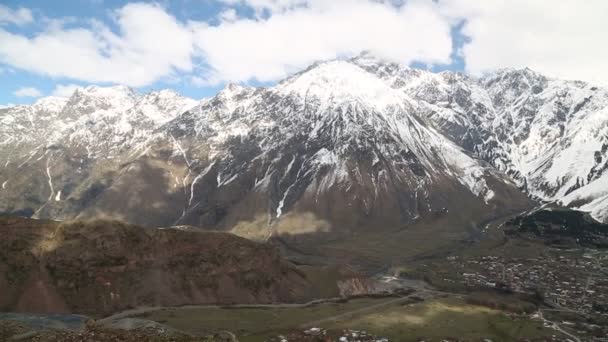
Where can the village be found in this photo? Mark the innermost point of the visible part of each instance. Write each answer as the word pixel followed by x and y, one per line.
pixel 568 283
pixel 579 284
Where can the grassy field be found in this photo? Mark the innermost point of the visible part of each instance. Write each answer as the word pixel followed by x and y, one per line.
pixel 253 324
pixel 436 318
pixel 443 318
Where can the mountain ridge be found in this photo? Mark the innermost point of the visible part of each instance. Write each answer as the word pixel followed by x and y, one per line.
pixel 358 124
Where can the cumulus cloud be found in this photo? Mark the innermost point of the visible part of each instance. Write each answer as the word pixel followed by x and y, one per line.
pixel 27 92
pixel 562 38
pixel 8 105
pixel 259 6
pixel 270 48
pixel 65 90
pixel 20 16
pixel 229 15
pixel 145 43
pixel 150 44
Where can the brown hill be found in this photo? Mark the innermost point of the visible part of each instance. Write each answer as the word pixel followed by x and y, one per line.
pixel 102 267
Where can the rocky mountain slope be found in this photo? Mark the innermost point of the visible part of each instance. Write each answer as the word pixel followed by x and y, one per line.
pixel 550 136
pixel 330 148
pixel 343 146
pixel 60 147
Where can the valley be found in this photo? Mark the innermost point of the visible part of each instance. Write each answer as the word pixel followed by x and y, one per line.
pixel 418 315
pixel 356 199
pixel 500 287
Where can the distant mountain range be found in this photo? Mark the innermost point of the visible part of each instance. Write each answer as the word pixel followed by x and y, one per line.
pixel 342 146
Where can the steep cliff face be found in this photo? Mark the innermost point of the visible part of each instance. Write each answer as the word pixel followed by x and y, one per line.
pixel 103 267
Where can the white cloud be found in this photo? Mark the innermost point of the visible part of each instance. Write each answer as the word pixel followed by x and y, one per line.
pixel 270 5
pixel 27 92
pixel 8 105
pixel 151 44
pixel 19 16
pixel 65 90
pixel 562 38
pixel 267 49
pixel 228 15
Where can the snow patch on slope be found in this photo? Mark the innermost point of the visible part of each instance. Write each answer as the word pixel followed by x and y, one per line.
pixel 592 198
pixel 469 172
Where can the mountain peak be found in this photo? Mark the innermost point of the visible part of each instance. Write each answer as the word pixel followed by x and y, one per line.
pixel 95 98
pixel 233 89
pixel 163 105
pixel 367 59
pixel 111 91
pixel 515 74
pixel 51 103
pixel 341 81
pixel 164 93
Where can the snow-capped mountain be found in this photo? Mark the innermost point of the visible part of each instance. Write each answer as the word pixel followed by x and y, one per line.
pixel 28 124
pixel 89 117
pixel 341 146
pixel 334 143
pixel 53 147
pixel 549 135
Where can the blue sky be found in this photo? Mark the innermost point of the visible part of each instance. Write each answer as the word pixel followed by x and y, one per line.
pixel 13 79
pixel 197 46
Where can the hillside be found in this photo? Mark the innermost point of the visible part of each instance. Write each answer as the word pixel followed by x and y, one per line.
pixel 103 267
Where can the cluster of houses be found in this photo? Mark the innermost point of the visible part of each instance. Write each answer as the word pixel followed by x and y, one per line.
pixel 576 283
